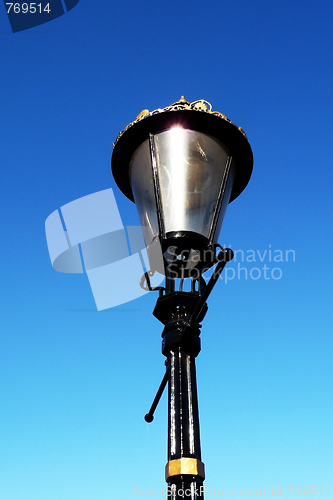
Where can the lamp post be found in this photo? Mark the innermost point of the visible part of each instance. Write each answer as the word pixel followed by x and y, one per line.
pixel 182 165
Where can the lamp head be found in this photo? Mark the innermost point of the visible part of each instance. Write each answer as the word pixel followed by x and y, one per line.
pixel 182 165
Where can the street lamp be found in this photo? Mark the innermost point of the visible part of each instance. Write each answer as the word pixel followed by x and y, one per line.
pixel 182 165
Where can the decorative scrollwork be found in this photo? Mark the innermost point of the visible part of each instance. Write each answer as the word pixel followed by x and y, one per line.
pixel 200 105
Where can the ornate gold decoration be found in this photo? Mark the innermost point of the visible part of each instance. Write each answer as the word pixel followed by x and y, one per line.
pixel 191 466
pixel 200 105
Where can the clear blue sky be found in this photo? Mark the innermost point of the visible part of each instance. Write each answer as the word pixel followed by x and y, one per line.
pixel 75 383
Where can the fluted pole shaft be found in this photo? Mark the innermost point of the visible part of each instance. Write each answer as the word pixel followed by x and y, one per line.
pixel 184 471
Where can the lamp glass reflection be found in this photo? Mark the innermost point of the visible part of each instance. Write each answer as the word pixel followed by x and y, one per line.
pixel 190 169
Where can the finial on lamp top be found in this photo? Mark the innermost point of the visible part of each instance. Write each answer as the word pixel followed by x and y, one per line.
pixel 201 105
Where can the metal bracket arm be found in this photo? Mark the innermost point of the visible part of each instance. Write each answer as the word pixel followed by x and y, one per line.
pixel 149 417
pixel 226 255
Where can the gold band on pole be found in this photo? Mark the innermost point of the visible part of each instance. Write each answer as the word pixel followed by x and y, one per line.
pixel 191 466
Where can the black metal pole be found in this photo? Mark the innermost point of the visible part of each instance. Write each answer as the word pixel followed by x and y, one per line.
pixel 184 470
pixel 181 313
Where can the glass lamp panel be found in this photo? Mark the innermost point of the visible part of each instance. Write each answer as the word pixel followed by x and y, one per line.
pixel 141 178
pixel 190 169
